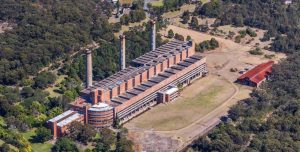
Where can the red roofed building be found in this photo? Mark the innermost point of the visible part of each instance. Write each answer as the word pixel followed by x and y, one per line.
pixel 257 75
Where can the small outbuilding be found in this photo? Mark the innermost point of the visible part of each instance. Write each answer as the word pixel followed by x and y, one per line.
pixel 257 75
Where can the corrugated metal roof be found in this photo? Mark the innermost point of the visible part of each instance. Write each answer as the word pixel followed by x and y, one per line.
pixel 258 73
pixel 70 119
pixel 61 116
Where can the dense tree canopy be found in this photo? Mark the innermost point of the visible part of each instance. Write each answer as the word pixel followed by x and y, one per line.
pixel 64 144
pixel 42 134
pixel 279 19
pixel 269 120
pixel 47 30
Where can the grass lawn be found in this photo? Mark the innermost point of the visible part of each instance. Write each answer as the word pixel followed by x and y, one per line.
pixel 51 89
pixel 11 146
pixel 195 101
pixel 1 142
pixel 37 147
pixel 2 123
pixel 126 27
pixel 205 1
pixel 158 3
pixel 174 14
pixel 41 147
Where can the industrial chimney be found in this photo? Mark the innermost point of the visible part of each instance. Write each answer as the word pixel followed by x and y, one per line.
pixel 153 35
pixel 122 52
pixel 89 69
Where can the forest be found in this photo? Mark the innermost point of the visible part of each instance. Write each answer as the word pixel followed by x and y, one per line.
pixel 45 32
pixel 269 120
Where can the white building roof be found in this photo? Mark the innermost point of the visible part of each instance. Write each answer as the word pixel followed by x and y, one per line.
pixel 171 91
pixel 61 116
pixel 69 119
pixel 100 107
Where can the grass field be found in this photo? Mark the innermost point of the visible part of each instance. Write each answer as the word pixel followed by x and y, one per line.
pixel 2 123
pixel 158 3
pixel 37 147
pixel 178 13
pixel 195 101
pixel 205 1
pixel 51 89
pixel 11 146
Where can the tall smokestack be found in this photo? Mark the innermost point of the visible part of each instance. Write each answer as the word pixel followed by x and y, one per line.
pixel 153 35
pixel 122 52
pixel 89 68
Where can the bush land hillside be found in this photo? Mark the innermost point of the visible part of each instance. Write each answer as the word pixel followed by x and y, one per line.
pixel 269 120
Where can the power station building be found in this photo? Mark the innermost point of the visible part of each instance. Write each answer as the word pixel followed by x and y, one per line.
pixel 150 79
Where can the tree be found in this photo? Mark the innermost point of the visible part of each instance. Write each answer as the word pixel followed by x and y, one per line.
pixel 107 137
pixel 81 132
pixel 5 148
pixel 170 34
pixel 188 38
pixel 185 17
pixel 179 37
pixel 207 45
pixel 213 43
pixel 42 134
pixel 133 16
pixel 87 134
pixel 116 123
pixel 212 9
pixel 27 92
pixel 194 23
pixel 76 22
pixel 54 112
pixel 201 144
pixel 250 32
pixel 100 147
pixel 123 145
pixel 65 144
pixel 44 79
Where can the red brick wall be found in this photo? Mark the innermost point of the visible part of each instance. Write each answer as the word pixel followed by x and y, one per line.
pixel 151 72
pixel 94 96
pixel 122 87
pixel 85 113
pixel 137 80
pixel 129 83
pixel 158 68
pixel 168 98
pixel 144 76
pixel 183 55
pixel 54 129
pixel 159 86
pixel 114 92
pixel 171 61
pixel 165 65
pixel 177 58
pixel 103 116
pixel 191 50
pixel 105 95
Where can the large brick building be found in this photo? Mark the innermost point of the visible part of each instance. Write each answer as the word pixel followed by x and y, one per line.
pixel 150 79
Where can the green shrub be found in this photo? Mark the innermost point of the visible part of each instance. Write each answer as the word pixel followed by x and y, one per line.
pixel 250 32
pixel 170 34
pixel 256 51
